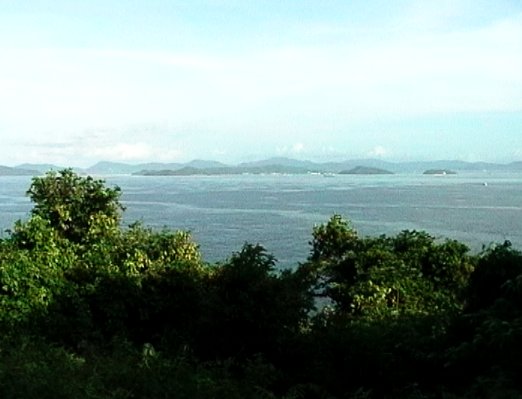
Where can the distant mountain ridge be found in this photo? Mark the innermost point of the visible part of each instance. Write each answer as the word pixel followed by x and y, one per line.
pixel 365 170
pixel 227 170
pixel 9 171
pixel 281 161
pixel 269 165
pixel 40 167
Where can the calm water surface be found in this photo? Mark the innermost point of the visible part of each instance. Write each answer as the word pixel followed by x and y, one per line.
pixel 279 212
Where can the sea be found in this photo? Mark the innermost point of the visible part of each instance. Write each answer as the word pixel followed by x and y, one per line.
pixel 279 211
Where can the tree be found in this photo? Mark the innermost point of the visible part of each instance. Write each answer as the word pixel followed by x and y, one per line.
pixel 497 266
pixel 331 241
pixel 32 268
pixel 253 308
pixel 72 204
pixel 377 277
pixel 487 350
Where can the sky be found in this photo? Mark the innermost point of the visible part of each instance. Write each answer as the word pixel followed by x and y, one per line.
pixel 233 80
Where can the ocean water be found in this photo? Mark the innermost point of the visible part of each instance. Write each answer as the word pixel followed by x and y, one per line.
pixel 279 211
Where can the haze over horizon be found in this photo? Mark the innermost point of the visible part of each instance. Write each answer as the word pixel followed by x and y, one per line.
pixel 233 81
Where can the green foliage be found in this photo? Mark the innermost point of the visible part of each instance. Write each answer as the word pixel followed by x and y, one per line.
pixel 33 264
pixel 387 276
pixel 252 308
pixel 71 203
pixel 33 369
pixel 487 337
pixel 498 265
pixel 137 251
pixel 333 240
pixel 75 270
pixel 130 284
pixel 159 250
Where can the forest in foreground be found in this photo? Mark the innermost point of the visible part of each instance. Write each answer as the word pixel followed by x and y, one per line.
pixel 93 309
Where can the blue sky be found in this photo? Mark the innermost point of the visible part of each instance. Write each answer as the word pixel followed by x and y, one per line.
pixel 241 80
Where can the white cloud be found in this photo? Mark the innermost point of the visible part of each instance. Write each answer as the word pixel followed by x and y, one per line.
pixel 86 150
pixel 292 150
pixel 298 148
pixel 122 152
pixel 517 153
pixel 133 152
pixel 378 151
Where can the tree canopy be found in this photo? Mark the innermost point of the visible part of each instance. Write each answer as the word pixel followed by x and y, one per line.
pixel 73 204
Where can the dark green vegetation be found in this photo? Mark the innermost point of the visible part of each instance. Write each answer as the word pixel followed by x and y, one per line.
pixel 365 170
pixel 89 309
pixel 228 170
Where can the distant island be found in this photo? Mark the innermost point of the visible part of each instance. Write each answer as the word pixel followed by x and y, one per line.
pixel 227 170
pixel 279 165
pixel 8 171
pixel 365 170
pixel 439 172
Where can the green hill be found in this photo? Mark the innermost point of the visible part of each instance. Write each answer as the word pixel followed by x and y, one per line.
pixel 365 170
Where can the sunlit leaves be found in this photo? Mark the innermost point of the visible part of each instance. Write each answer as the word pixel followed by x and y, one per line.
pixel 409 273
pixel 70 202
